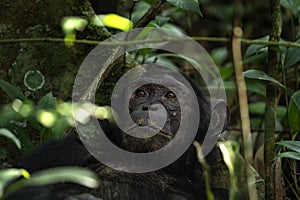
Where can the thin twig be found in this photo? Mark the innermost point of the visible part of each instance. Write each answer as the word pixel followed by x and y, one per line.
pixel 96 42
pixel 244 110
pixel 206 169
pixel 150 14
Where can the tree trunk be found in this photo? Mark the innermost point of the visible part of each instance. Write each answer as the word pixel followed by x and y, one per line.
pixel 42 19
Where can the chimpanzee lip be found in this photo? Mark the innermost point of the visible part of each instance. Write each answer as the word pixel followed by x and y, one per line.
pixel 159 131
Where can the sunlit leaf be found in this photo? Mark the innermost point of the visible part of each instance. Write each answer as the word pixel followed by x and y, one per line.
pixel 231 156
pixel 69 39
pixel 72 24
pixel 23 108
pixel 189 5
pixel 234 163
pixel 8 134
pixel 65 174
pixel 260 75
pixel 46 118
pixel 291 145
pixel 12 91
pixel 116 21
pixel 58 129
pixel 8 175
pixel 77 175
pixel 102 112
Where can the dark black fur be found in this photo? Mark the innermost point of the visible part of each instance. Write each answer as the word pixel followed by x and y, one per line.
pixel 172 182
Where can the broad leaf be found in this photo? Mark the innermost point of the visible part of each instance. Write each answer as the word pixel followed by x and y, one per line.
pixel 257 48
pixel 292 56
pixel 292 5
pixel 292 155
pixel 294 112
pixel 47 101
pixel 189 5
pixel 12 91
pixel 260 75
pixel 291 145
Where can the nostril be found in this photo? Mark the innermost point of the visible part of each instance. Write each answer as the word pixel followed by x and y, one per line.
pixel 145 108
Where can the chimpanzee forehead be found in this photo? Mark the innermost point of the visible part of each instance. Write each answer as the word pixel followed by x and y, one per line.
pixel 154 87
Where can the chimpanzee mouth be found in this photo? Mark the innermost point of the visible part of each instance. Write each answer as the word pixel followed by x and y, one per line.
pixel 150 130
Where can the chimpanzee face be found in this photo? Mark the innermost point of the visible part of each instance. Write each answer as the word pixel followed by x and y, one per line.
pixel 156 108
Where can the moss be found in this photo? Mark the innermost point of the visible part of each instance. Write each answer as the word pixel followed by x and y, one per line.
pixel 41 19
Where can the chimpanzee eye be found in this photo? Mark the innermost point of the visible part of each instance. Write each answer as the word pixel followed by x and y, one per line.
pixel 140 93
pixel 170 95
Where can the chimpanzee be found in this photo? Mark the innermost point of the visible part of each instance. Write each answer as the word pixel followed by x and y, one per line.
pixel 171 182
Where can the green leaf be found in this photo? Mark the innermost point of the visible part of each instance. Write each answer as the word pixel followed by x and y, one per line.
pixel 292 55
pixel 8 175
pixel 257 48
pixel 189 5
pixel 260 75
pixel 7 133
pixel 23 136
pixel 219 55
pixel 12 91
pixel 116 21
pixel 295 98
pixel 256 87
pixel 47 102
pixel 260 108
pixel 226 72
pixel 161 20
pixel 71 24
pixel 58 129
pixel 77 175
pixel 294 112
pixel 191 61
pixel 292 155
pixel 291 145
pixel 256 58
pixel 292 5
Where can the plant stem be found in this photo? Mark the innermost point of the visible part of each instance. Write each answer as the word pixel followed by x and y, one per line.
pixel 271 101
pixel 244 111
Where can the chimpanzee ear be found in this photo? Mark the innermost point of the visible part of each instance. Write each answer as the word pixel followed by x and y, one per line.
pixel 220 117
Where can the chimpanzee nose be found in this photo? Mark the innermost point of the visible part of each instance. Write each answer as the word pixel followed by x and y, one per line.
pixel 145 108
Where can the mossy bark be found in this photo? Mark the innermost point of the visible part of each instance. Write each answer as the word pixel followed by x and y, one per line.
pixel 58 63
pixel 271 101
